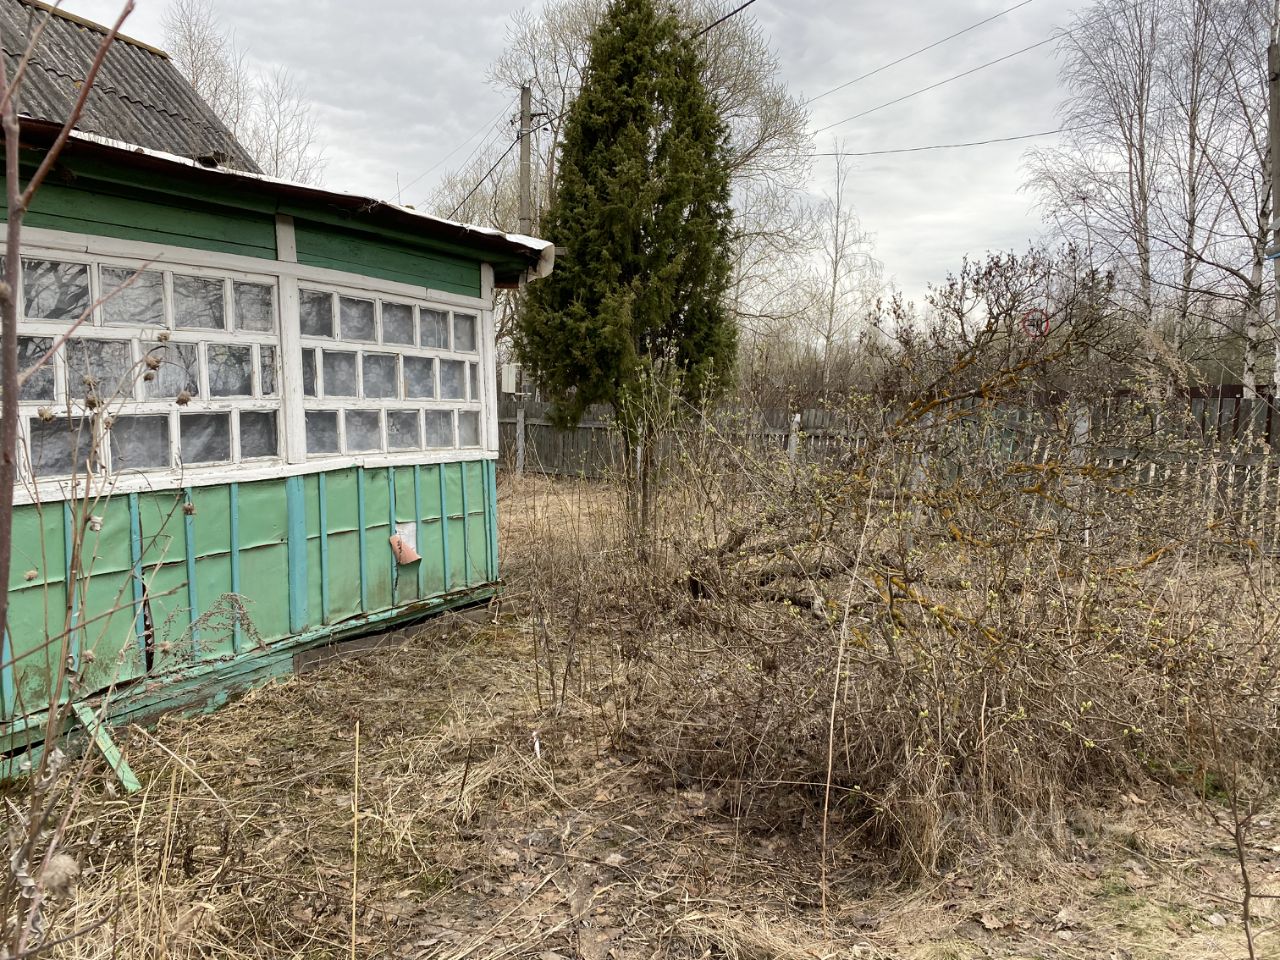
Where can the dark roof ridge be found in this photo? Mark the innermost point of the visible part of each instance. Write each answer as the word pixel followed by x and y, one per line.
pixel 92 25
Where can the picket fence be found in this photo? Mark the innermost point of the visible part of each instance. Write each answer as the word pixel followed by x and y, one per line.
pixel 1219 458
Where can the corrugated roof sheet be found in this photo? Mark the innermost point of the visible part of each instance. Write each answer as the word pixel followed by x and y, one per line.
pixel 139 97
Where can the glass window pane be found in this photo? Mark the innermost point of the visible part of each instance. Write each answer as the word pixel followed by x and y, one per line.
pixel 453 380
pixel 140 302
pixel 55 291
pixel 464 332
pixel 174 368
pixel 30 351
pixel 230 370
pixel 419 377
pixel 255 307
pixel 205 437
pixel 308 373
pixel 380 375
pixel 322 431
pixel 57 446
pixel 197 303
pixel 468 428
pixel 364 431
pixel 339 374
pixel 258 434
pixel 435 328
pixel 397 323
pixel 403 430
pixel 439 428
pixel 473 380
pixel 139 443
pixel 267 370
pixel 102 369
pixel 357 318
pixel 316 312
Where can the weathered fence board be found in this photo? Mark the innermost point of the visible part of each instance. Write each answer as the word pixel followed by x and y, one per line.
pixel 1214 445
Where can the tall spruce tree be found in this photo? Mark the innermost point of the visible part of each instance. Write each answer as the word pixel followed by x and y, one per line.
pixel 636 303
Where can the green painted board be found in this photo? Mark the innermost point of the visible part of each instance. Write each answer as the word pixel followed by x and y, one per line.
pixel 38 545
pixel 429 545
pixel 344 574
pixel 404 495
pixel 174 543
pixel 430 492
pixel 102 739
pixel 324 245
pixel 102 211
pixel 264 586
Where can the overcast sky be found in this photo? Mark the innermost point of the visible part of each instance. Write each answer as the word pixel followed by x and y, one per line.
pixel 398 83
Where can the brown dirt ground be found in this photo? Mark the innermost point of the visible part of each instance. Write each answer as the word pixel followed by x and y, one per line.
pixel 490 826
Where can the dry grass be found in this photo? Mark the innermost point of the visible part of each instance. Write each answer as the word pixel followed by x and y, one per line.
pixel 517 798
pixel 475 848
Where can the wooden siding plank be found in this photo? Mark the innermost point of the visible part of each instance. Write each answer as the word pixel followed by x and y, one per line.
pixel 390 260
pixel 233 501
pixel 360 531
pixel 297 521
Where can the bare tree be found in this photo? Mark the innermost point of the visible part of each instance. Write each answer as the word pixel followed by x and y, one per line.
pixel 38 816
pixel 1163 172
pixel 1101 183
pixel 769 146
pixel 281 133
pixel 205 55
pixel 845 279
pixel 269 113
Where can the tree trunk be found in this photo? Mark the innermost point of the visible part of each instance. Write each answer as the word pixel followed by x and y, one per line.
pixel 1252 325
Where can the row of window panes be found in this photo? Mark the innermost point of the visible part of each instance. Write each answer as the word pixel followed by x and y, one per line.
pixel 387 376
pixel 58 291
pixel 109 370
pixel 333 316
pixel 375 431
pixel 142 441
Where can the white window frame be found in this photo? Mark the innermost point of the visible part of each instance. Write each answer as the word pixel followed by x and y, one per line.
pixel 287 278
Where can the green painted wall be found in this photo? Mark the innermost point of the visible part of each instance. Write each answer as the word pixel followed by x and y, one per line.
pixel 325 245
pixel 112 200
pixel 112 210
pixel 305 557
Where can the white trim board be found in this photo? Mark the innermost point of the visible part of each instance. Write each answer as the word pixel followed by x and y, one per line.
pixel 56 491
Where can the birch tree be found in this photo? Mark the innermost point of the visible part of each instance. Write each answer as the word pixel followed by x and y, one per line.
pixel 1164 169
pixel 267 111
pixel 1099 185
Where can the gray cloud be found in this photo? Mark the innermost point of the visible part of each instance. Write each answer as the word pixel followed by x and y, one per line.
pixel 397 84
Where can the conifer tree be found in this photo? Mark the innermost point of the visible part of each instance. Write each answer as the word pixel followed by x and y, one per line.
pixel 636 303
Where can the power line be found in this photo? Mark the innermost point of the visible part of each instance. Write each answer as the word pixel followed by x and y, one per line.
pixel 479 149
pixel 550 120
pixel 916 53
pixel 934 86
pixel 979 143
pixel 948 146
pixel 734 12
pixel 973 70
pixel 445 159
pixel 488 173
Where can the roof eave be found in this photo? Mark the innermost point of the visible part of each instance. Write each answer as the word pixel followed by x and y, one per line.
pixel 533 258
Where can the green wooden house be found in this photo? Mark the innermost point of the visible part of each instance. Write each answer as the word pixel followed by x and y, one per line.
pixel 268 385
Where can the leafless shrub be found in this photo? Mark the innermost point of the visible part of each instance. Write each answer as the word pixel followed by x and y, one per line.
pixel 982 600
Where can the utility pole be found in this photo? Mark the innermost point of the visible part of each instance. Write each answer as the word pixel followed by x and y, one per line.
pixel 526 131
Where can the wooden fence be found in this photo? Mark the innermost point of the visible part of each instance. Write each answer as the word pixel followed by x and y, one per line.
pixel 1221 418
pixel 1211 450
